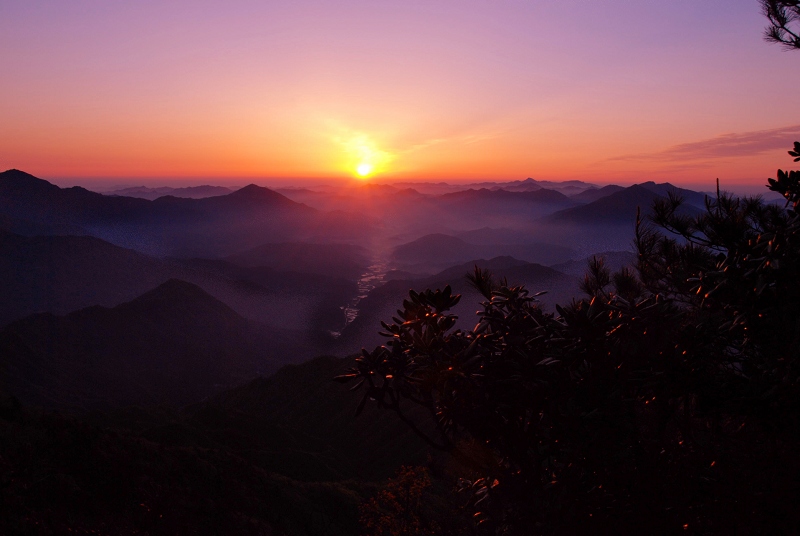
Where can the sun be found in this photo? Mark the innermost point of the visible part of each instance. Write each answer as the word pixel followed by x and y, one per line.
pixel 362 157
pixel 364 169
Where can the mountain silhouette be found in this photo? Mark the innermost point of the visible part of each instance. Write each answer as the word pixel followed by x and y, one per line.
pixel 303 401
pixel 541 196
pixel 251 195
pixel 194 192
pixel 588 196
pixel 29 198
pixel 437 251
pixel 60 274
pixel 279 455
pixel 25 196
pixel 173 345
pixel 617 208
pixel 696 199
pixel 169 225
pixel 569 188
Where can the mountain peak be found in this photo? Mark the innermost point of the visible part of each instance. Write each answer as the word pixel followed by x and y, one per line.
pixel 250 190
pixel 176 296
pixel 174 288
pixel 14 173
pixel 21 177
pixel 256 193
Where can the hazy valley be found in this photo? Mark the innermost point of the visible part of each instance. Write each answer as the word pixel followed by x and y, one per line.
pixel 202 328
pixel 301 259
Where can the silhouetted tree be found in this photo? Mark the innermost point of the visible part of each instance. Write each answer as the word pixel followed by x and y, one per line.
pixel 666 400
pixel 784 22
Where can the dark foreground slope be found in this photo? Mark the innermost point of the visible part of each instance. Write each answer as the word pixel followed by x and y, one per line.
pixel 173 345
pixel 282 455
pixel 304 400
pixel 62 475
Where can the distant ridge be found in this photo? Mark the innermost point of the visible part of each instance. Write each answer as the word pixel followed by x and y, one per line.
pixel 381 304
pixel 25 196
pixel 541 195
pixel 515 270
pixel 588 196
pixel 435 252
pixel 60 274
pixel 620 207
pixel 216 225
pixel 192 192
pixel 569 187
pixel 664 189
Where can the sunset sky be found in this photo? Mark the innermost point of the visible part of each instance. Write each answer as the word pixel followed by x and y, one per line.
pixel 274 92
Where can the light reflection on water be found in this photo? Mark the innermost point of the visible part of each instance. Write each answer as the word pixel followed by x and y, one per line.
pixel 375 276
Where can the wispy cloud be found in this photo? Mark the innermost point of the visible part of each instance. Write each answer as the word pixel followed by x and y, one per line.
pixel 423 145
pixel 724 146
pixel 464 139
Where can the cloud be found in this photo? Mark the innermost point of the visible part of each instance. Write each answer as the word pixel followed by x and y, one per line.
pixel 463 139
pixel 724 146
pixel 424 145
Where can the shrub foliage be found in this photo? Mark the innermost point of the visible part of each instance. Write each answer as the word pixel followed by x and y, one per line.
pixel 666 400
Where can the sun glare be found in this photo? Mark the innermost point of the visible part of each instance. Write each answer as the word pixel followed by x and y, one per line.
pixel 364 170
pixel 361 155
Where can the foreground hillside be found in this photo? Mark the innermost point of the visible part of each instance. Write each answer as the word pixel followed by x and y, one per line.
pixel 282 455
pixel 139 391
pixel 65 476
pixel 173 345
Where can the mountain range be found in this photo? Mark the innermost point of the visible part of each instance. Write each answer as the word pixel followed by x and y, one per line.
pixel 173 345
pixel 192 192
pixel 211 226
pixel 60 274
pixel 166 355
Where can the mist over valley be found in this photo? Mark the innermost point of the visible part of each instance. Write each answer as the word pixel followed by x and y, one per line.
pixel 286 275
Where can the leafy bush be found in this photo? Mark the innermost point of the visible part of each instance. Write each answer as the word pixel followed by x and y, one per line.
pixel 667 400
